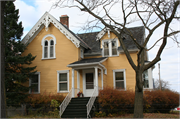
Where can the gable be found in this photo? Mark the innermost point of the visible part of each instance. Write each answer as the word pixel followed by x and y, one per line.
pixel 45 21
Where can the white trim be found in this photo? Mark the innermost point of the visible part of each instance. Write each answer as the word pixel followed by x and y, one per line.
pixel 92 70
pixel 96 76
pixel 150 80
pixel 84 64
pixel 45 20
pixel 102 78
pixel 124 74
pixel 49 41
pixel 62 71
pixel 131 51
pixel 87 66
pixel 102 33
pixel 105 70
pixel 81 52
pixel 73 83
pixel 110 47
pixel 38 84
pixel 78 81
pixel 103 60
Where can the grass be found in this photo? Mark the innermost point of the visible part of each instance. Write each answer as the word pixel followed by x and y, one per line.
pixel 174 114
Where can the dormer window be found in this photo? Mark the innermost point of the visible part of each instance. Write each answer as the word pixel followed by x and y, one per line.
pixel 110 48
pixel 82 52
pixel 48 47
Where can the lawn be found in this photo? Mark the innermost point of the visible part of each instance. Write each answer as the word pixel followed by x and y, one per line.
pixel 174 114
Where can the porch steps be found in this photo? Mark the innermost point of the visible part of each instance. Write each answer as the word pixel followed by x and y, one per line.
pixel 76 108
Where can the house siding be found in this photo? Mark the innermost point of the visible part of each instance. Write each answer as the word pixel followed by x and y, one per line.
pixel 118 62
pixel 66 53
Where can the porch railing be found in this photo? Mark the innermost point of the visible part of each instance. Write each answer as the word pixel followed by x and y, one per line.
pixel 66 101
pixel 91 100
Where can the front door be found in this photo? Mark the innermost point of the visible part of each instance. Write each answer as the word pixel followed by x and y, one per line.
pixel 89 83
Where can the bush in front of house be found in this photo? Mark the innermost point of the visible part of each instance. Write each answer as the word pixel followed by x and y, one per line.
pixel 160 101
pixel 112 101
pixel 41 103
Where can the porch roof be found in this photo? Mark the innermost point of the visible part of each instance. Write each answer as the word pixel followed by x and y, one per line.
pixel 88 61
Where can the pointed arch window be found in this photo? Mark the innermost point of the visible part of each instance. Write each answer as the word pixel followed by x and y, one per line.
pixel 48 47
pixel 51 48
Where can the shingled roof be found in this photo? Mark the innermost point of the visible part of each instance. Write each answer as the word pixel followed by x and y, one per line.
pixel 88 61
pixel 90 39
pixel 138 33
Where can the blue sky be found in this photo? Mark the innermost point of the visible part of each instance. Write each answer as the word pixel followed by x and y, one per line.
pixel 31 11
pixel 30 2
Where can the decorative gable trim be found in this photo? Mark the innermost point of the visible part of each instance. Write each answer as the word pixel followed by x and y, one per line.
pixel 102 33
pixel 45 20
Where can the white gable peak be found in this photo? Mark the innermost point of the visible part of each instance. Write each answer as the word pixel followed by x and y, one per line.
pixel 44 21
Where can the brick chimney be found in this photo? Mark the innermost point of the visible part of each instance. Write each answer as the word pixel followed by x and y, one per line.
pixel 64 19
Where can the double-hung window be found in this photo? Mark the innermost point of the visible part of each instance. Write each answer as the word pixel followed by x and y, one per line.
pixel 63 81
pixel 119 78
pixel 82 52
pixel 145 79
pixel 34 83
pixel 110 47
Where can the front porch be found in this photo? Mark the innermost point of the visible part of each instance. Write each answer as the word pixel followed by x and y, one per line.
pixel 90 75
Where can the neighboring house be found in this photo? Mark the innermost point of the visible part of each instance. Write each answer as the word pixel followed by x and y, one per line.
pixel 80 62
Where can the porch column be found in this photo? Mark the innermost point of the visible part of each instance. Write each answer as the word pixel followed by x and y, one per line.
pixel 78 82
pixel 96 78
pixel 102 77
pixel 72 82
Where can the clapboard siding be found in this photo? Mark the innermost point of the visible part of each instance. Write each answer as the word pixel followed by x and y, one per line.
pixel 66 53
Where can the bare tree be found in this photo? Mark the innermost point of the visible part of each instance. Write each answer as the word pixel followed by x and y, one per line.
pixel 153 14
pixel 161 85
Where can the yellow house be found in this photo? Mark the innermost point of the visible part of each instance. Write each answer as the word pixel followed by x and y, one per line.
pixel 68 62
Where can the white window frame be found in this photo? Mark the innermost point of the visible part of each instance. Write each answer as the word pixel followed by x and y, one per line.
pixel 144 78
pixel 38 84
pixel 114 77
pixel 110 47
pixel 150 80
pixel 50 48
pixel 82 52
pixel 49 41
pixel 59 72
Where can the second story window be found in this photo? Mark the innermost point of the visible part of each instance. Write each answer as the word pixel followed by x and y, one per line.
pixel 48 47
pixel 51 48
pixel 109 48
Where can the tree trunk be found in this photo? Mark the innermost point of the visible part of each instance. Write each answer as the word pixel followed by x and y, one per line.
pixel 3 96
pixel 138 104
